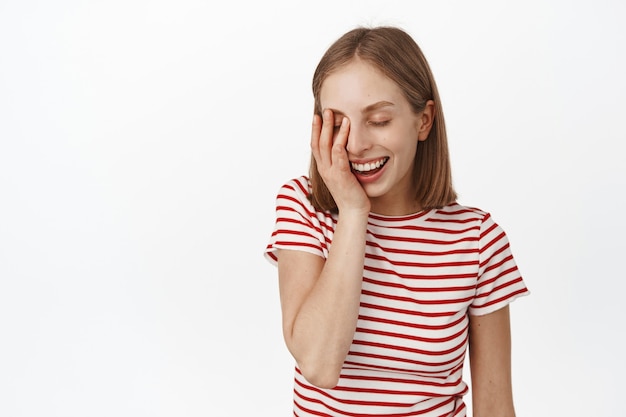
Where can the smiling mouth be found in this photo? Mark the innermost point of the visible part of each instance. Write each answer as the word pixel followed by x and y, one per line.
pixel 370 167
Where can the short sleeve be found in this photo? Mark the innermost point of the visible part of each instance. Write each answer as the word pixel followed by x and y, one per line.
pixel 499 279
pixel 298 225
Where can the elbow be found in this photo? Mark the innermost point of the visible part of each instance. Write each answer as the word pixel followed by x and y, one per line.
pixel 321 368
pixel 326 377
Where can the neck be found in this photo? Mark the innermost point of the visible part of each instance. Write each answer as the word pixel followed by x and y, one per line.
pixel 394 207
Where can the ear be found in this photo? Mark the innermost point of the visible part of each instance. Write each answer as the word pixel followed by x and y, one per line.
pixel 425 120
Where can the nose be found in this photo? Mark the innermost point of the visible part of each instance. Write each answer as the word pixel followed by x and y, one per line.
pixel 358 141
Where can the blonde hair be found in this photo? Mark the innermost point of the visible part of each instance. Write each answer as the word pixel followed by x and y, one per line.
pixel 395 54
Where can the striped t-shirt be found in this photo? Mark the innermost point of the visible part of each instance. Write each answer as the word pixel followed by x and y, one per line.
pixel 423 274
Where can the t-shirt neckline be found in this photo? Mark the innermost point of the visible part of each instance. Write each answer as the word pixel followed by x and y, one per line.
pixel 399 220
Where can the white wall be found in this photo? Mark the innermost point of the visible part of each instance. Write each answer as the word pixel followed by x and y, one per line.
pixel 142 144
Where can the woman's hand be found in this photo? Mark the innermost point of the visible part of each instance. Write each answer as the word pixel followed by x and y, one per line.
pixel 331 157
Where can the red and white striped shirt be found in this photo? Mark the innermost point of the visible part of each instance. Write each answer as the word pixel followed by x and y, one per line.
pixel 423 274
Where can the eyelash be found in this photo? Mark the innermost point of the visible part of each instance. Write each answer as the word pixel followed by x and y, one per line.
pixel 380 124
pixel 375 124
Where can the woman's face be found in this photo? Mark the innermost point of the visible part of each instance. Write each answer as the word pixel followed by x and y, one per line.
pixel 384 132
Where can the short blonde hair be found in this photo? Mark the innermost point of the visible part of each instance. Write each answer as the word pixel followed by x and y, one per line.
pixel 395 54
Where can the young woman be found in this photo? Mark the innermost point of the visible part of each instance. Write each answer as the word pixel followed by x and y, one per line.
pixel 385 280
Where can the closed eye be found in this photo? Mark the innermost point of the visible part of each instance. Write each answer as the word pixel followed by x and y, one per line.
pixel 380 124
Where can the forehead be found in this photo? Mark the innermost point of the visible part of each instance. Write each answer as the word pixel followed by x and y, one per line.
pixel 359 84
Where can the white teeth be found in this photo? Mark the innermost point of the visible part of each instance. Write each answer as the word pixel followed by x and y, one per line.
pixel 369 166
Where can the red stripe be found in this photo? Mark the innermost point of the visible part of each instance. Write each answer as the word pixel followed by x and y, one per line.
pixel 410 336
pixel 500 275
pixel 421 276
pixel 422 252
pixel 412 300
pixel 387 346
pixel 419 289
pixel 438 229
pixel 422 240
pixel 413 325
pixel 407 381
pixel 371 366
pixel 499 264
pixel 381 258
pixel 492 242
pixel 409 361
pixel 504 297
pixel 405 311
pixel 297 244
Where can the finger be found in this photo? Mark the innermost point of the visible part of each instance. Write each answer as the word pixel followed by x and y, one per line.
pixel 316 130
pixel 326 136
pixel 339 153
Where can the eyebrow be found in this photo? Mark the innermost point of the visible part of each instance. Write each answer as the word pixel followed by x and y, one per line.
pixel 368 109
pixel 377 106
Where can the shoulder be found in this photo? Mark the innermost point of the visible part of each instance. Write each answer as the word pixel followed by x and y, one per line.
pixel 299 186
pixel 460 213
pixel 295 194
pixel 463 217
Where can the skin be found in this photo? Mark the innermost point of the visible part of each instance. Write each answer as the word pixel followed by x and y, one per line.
pixel 490 364
pixel 366 117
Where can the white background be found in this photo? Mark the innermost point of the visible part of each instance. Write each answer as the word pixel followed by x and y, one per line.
pixel 142 144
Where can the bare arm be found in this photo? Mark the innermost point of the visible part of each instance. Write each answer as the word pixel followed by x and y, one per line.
pixel 320 302
pixel 320 298
pixel 490 364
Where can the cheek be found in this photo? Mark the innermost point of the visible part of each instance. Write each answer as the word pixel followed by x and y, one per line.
pixel 402 140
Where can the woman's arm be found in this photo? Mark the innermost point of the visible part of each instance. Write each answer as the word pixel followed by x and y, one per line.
pixel 320 302
pixel 490 364
pixel 320 298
